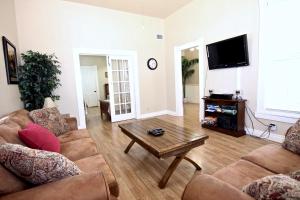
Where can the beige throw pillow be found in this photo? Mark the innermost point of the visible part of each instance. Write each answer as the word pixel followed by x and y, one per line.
pixel 51 119
pixel 292 138
pixel 274 187
pixel 36 166
pixel 295 175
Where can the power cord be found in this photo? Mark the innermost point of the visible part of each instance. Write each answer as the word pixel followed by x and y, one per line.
pixel 267 131
pixel 252 113
pixel 252 124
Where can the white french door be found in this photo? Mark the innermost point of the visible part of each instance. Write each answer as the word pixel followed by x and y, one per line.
pixel 120 77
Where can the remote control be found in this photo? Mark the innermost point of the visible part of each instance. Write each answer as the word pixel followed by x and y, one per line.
pixel 156 132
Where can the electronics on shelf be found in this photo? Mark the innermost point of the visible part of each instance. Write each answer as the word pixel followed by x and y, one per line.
pixel 223 109
pixel 221 96
pixel 226 115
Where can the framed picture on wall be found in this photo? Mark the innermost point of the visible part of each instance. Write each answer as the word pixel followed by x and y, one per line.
pixel 10 57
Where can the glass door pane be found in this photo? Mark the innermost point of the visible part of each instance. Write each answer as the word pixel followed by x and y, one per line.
pixel 122 88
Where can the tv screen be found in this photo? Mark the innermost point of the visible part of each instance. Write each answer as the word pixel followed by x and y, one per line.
pixel 228 53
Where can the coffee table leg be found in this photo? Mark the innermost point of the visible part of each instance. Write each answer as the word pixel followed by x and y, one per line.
pixel 129 146
pixel 170 171
pixel 193 162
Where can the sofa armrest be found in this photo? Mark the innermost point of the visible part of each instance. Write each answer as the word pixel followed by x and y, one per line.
pixel 85 186
pixel 72 122
pixel 206 187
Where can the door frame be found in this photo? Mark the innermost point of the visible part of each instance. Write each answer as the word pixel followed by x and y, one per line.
pixel 178 75
pixel 77 52
pixel 94 67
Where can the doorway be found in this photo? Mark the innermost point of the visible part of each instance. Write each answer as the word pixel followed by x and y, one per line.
pixel 178 53
pixel 94 78
pixel 190 81
pixel 109 77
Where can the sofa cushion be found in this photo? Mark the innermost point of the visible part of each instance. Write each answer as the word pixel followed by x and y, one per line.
pixel 90 186
pixel 241 173
pixel 38 137
pixel 10 183
pixel 36 166
pixel 79 149
pixel 274 187
pixel 72 122
pixel 206 187
pixel 274 158
pixel 97 163
pixel 51 119
pixel 74 135
pixel 9 131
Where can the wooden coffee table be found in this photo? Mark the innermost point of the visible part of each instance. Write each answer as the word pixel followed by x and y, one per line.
pixel 176 141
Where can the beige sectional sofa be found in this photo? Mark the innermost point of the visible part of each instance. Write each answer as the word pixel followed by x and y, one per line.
pixel 227 183
pixel 98 181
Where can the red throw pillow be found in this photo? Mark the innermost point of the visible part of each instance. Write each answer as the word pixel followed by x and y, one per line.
pixel 38 137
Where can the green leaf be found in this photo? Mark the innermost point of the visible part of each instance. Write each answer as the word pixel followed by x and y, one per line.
pixel 186 69
pixel 38 78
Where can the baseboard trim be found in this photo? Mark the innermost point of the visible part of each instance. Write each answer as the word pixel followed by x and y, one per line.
pixel 169 112
pixel 155 114
pixel 273 137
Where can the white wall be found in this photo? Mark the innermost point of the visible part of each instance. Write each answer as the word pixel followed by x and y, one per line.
pixel 9 94
pixel 56 26
pixel 216 20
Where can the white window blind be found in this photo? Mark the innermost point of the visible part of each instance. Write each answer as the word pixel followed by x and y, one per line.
pixel 280 56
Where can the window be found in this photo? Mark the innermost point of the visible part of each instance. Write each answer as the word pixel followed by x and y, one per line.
pixel 279 68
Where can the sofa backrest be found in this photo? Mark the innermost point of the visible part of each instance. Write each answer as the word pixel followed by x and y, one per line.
pixel 11 124
pixel 21 117
pixel 9 127
pixel 2 140
pixel 9 132
pixel 10 183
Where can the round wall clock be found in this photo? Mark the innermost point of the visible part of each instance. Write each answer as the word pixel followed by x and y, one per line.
pixel 152 63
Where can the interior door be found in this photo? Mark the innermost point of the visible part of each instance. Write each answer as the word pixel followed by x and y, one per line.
pixel 120 78
pixel 90 85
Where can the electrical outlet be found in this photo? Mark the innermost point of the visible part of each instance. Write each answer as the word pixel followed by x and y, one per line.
pixel 273 127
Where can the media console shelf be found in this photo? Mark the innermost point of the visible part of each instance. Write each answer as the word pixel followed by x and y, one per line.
pixel 225 116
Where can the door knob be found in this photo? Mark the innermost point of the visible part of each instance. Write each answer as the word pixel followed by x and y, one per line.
pixel 95 91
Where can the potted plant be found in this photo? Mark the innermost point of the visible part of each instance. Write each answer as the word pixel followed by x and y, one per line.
pixel 38 78
pixel 187 72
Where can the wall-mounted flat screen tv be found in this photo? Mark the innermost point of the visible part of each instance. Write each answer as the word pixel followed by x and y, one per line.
pixel 228 53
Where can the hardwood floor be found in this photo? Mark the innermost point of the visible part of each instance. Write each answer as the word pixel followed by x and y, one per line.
pixel 138 172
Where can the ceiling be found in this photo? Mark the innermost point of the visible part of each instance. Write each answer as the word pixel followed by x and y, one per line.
pixel 154 8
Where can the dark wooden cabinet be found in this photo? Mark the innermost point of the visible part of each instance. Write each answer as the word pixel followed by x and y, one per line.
pixel 231 124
